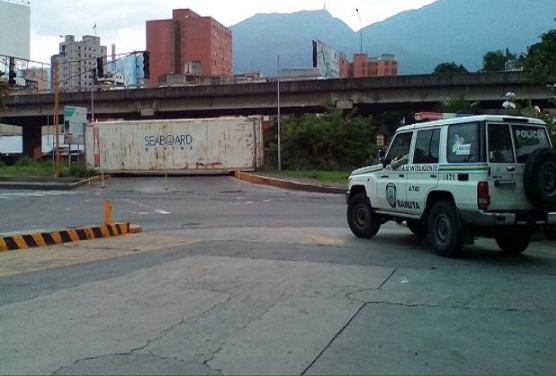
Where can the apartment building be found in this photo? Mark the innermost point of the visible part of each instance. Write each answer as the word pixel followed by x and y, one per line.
pixel 76 62
pixel 188 44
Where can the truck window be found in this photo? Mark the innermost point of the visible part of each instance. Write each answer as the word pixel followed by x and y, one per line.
pixel 529 139
pixel 500 149
pixel 399 150
pixel 463 143
pixel 427 147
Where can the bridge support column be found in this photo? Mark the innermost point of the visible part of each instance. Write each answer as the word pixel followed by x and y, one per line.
pixel 32 142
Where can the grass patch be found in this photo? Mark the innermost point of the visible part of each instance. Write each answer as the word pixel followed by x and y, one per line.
pixel 337 177
pixel 27 167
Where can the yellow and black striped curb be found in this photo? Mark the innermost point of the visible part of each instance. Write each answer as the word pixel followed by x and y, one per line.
pixel 14 242
pixel 287 184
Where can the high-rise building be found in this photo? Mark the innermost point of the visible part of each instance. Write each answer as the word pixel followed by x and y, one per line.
pixel 188 41
pixel 76 62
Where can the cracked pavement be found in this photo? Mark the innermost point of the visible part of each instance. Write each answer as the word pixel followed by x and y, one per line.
pixel 268 282
pixel 213 314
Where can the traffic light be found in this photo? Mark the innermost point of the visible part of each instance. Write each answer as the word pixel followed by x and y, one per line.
pixel 146 65
pixel 100 67
pixel 11 78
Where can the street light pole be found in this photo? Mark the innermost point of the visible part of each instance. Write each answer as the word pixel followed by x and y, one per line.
pixel 279 129
pixel 56 120
pixel 360 29
pixel 93 103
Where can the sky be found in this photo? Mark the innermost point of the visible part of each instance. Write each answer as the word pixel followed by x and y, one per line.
pixel 123 21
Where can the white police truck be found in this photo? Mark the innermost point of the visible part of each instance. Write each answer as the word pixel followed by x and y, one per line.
pixel 458 178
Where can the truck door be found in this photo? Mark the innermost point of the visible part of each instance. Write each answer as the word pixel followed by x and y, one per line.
pixel 422 174
pixel 392 181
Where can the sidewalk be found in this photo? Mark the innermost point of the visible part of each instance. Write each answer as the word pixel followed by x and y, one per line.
pixel 44 183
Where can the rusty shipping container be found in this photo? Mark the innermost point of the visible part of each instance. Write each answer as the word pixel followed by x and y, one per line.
pixel 181 145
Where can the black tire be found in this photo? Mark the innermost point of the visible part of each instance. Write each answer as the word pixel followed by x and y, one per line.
pixel 539 179
pixel 445 229
pixel 417 227
pixel 361 219
pixel 513 240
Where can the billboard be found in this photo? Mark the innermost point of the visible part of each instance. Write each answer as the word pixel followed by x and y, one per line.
pixel 15 38
pixel 128 68
pixel 326 60
pixel 75 119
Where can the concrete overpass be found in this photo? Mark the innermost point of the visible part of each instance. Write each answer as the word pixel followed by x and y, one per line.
pixel 369 95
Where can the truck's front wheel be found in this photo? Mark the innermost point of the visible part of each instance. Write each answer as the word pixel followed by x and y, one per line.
pixel 361 219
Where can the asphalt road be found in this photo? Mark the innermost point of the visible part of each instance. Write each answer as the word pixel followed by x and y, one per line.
pixel 234 278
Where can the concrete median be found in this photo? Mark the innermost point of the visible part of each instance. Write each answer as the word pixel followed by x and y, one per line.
pixel 41 239
pixel 287 184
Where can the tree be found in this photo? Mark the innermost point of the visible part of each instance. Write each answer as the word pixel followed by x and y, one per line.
pixel 4 89
pixel 495 61
pixel 541 58
pixel 457 105
pixel 449 68
pixel 329 141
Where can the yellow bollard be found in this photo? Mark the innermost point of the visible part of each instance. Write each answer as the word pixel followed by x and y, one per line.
pixel 107 212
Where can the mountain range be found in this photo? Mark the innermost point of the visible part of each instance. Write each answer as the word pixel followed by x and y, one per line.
pixel 459 31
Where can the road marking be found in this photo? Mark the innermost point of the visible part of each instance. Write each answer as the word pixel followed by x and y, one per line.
pixel 18 195
pixel 322 240
pixel 145 206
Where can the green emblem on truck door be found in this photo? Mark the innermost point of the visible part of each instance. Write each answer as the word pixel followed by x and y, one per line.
pixel 391 193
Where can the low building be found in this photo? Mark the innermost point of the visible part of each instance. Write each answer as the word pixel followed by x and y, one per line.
pixel 384 66
pixel 36 79
pixel 294 74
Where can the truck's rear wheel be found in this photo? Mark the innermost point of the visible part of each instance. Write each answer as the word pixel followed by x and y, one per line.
pixel 361 219
pixel 513 240
pixel 445 230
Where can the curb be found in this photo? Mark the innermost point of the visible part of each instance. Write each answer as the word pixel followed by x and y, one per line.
pixel 59 184
pixel 32 240
pixel 287 184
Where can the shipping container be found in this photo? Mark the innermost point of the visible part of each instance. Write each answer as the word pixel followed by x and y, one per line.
pixel 180 145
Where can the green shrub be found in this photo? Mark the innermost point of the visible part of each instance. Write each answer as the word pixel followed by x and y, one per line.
pixel 329 141
pixel 25 162
pixel 28 167
pixel 78 171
